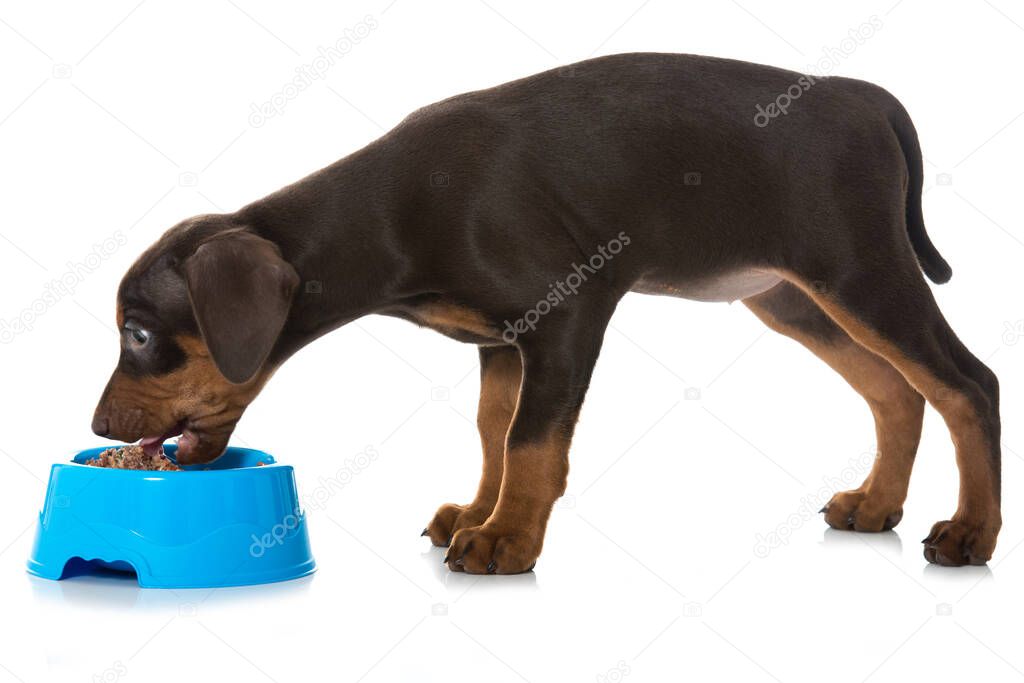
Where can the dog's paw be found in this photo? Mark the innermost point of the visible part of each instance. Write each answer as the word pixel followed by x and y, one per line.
pixel 954 543
pixel 449 518
pixel 486 550
pixel 856 511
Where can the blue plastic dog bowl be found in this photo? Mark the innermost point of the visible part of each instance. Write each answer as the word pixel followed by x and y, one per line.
pixel 229 523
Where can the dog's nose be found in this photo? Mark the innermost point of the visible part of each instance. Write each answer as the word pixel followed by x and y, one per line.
pixel 100 425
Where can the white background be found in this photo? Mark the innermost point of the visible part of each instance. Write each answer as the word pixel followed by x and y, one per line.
pixel 129 117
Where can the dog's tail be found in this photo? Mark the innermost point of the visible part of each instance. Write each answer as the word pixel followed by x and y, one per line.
pixel 932 263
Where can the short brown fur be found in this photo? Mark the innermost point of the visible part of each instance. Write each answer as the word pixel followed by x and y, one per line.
pixel 898 410
pixel 510 540
pixel 501 373
pixel 152 402
pixel 974 527
pixel 454 321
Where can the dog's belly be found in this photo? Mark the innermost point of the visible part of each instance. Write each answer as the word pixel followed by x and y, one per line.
pixel 722 287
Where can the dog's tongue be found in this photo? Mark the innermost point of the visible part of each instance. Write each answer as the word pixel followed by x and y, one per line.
pixel 152 444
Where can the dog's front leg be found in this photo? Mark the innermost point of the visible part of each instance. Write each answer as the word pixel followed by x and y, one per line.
pixel 500 377
pixel 556 373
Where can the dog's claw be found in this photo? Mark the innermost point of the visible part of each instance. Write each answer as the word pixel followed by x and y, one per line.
pixel 823 510
pixel 459 563
pixel 425 532
pixel 937 557
pixel 445 560
pixel 491 567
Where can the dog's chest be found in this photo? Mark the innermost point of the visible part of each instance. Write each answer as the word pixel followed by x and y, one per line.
pixel 459 323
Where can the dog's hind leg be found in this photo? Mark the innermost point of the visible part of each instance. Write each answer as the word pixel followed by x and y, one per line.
pixel 877 504
pixel 878 295
pixel 500 377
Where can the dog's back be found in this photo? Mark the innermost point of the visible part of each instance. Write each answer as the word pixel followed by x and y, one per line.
pixel 692 154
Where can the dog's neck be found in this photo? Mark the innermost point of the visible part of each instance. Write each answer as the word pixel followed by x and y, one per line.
pixel 341 245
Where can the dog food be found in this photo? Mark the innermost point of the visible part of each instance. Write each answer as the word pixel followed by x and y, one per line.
pixel 133 458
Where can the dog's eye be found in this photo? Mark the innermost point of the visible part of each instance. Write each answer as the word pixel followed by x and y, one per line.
pixel 138 336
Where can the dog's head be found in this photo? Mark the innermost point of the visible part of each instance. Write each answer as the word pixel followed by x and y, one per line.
pixel 198 314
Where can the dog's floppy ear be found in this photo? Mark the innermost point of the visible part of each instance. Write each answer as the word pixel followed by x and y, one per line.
pixel 241 290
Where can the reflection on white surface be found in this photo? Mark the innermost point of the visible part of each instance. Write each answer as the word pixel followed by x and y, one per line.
pixel 461 582
pixel 883 541
pixel 120 590
pixel 958 577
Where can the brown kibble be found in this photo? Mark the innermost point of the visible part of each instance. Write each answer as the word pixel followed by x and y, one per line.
pixel 133 458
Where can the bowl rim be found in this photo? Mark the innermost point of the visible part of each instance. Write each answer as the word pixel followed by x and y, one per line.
pixel 270 465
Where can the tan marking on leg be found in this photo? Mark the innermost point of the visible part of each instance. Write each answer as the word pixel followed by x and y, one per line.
pixel 499 392
pixel 500 379
pixel 534 477
pixel 513 536
pixel 979 496
pixel 898 411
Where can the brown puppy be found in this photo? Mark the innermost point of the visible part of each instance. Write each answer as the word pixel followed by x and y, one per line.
pixel 515 218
